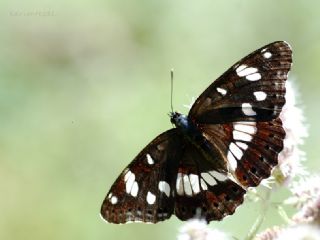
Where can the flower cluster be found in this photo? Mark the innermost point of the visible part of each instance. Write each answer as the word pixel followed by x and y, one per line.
pixel 300 232
pixel 306 198
pixel 196 229
pixel 291 156
pixel 269 234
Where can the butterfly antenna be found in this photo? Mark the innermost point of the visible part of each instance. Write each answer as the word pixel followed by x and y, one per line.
pixel 171 74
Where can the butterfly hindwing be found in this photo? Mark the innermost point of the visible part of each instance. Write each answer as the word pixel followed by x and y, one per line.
pixel 253 89
pixel 201 191
pixel 250 148
pixel 171 176
pixel 142 192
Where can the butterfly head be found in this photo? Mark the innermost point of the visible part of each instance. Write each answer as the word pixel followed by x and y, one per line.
pixel 179 120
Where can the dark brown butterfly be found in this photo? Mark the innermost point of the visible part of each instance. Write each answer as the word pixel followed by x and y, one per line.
pixel 229 141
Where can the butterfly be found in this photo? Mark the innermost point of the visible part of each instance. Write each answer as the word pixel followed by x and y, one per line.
pixel 229 141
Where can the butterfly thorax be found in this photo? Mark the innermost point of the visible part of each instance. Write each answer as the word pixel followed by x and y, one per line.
pixel 183 123
pixel 188 128
pixel 192 134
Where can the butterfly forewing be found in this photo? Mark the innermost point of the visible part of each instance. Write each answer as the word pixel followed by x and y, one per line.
pixel 253 89
pixel 142 192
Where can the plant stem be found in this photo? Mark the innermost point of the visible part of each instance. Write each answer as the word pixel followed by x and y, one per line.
pixel 256 226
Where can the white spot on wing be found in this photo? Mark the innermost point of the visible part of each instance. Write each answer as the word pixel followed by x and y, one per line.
pixel 161 147
pixel 240 68
pixel 151 198
pixel 194 180
pixel 260 96
pixel 179 184
pixel 219 176
pixel 149 159
pixel 130 180
pixel 237 135
pixel 187 185
pixel 232 161
pixel 242 145
pixel 190 184
pixel 137 221
pixel 276 110
pixel 208 178
pixel 164 187
pixel 114 200
pixel 267 55
pixel 279 74
pixel 253 77
pixel 135 189
pixel 222 91
pixel 246 71
pixel 247 109
pixel 203 185
pixel 247 127
pixel 247 123
pixel 237 152
pixel 126 177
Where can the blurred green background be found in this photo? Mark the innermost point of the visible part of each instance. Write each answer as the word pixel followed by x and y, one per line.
pixel 84 85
